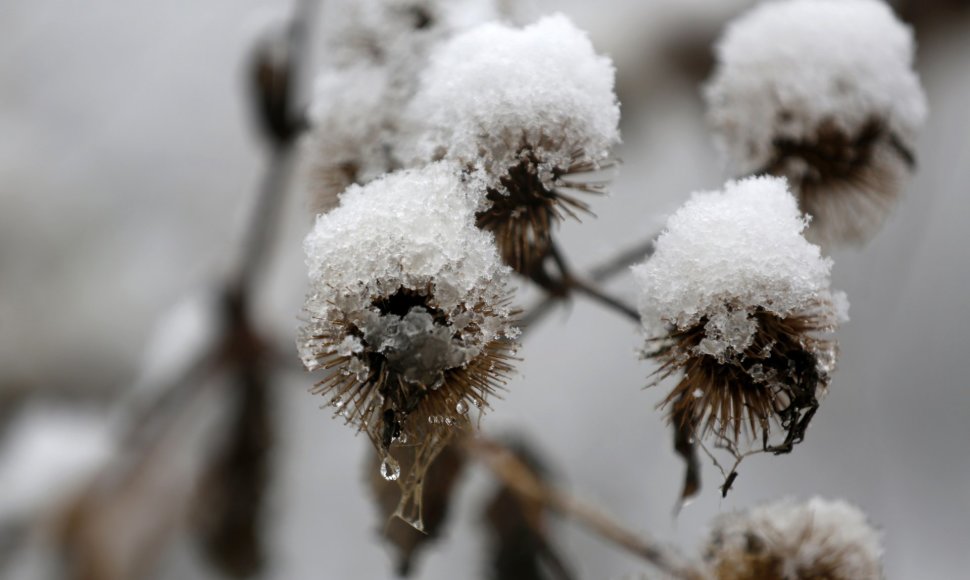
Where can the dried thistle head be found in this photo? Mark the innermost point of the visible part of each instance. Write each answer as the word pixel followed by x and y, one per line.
pixel 408 313
pixel 531 134
pixel 848 183
pixel 524 206
pixel 375 52
pixel 349 124
pixel 737 305
pixel 778 378
pixel 787 540
pixel 822 92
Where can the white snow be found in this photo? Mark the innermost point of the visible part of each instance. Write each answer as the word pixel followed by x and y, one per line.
pixel 725 253
pixel 785 67
pixel 492 89
pixel 412 229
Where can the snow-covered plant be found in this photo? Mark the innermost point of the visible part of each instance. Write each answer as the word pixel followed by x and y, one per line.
pixel 408 309
pixel 375 52
pixel 532 110
pixel 824 93
pixel 455 147
pixel 788 539
pixel 445 146
pixel 737 302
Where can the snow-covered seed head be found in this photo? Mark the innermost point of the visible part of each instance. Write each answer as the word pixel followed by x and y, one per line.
pixel 408 308
pixel 737 303
pixel 532 111
pixel 346 144
pixel 375 51
pixel 788 540
pixel 822 92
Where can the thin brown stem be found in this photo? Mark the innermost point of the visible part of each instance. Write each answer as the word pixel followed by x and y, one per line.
pixel 605 299
pixel 518 477
pixel 588 285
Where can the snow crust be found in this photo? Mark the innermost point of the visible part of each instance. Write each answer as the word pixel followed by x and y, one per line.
pixel 491 90
pixel 785 67
pixel 724 254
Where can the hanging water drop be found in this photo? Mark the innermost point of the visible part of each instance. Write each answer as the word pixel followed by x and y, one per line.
pixel 390 470
pixel 462 407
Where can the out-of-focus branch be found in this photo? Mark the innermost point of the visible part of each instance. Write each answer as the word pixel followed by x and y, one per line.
pixel 517 476
pixel 197 429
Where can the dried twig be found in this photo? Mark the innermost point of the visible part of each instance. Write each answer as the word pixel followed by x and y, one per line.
pixel 141 486
pixel 517 476
pixel 588 285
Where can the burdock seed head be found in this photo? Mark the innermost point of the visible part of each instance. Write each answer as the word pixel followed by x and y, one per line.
pixel 822 92
pixel 788 540
pixel 532 112
pixel 737 305
pixel 408 311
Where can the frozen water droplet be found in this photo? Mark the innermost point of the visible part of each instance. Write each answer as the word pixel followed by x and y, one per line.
pixel 337 403
pixel 698 393
pixel 462 407
pixel 403 437
pixel 390 470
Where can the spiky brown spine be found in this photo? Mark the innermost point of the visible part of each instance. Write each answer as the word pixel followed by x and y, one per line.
pixel 847 182
pixel 394 411
pixel 523 211
pixel 777 379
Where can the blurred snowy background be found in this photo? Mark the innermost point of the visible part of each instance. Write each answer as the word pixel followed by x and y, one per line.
pixel 127 166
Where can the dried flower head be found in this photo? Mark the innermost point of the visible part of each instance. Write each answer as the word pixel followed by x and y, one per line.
pixel 787 540
pixel 738 302
pixel 822 92
pixel 533 131
pixel 375 51
pixel 397 33
pixel 408 311
pixel 346 145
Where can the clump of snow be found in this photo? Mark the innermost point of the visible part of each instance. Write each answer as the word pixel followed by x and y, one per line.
pixel 411 231
pixel 799 538
pixel 785 68
pixel 725 254
pixel 495 90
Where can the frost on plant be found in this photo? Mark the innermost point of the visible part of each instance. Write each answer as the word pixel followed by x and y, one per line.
pixel 408 311
pixel 533 110
pixel 787 539
pixel 824 93
pixel 737 303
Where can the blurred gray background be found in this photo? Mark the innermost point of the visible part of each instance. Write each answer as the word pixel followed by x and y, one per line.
pixel 127 166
